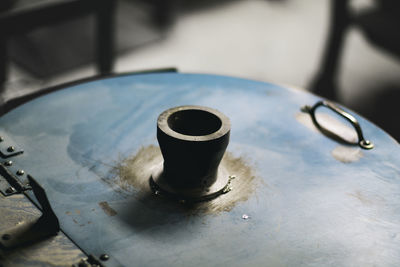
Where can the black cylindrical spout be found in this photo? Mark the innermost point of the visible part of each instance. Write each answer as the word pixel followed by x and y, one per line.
pixel 193 140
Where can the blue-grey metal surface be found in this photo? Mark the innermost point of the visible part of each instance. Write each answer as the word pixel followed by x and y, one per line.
pixel 310 208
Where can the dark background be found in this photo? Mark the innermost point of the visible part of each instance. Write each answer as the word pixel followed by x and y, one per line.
pixel 281 41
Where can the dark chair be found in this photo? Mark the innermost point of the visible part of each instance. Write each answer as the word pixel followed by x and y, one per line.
pixel 380 25
pixel 25 15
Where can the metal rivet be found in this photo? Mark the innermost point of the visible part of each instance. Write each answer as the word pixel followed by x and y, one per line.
pixel 10 190
pixel 6 237
pixel 83 264
pixel 8 163
pixel 104 257
pixel 20 172
pixel 27 186
pixel 11 149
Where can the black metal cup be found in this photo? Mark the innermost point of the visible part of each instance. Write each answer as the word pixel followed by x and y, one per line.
pixel 193 140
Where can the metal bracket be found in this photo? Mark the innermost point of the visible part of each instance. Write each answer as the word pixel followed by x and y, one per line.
pixel 13 180
pixel 33 231
pixel 8 148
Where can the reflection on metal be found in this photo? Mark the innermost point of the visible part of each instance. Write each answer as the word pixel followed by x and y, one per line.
pixel 104 257
pixel 245 217
pixel 33 231
pixel 347 154
pixel 362 142
pixel 10 190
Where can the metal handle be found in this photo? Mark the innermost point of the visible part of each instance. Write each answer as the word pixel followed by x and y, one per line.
pixel 365 144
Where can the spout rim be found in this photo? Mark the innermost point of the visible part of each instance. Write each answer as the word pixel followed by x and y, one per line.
pixel 162 123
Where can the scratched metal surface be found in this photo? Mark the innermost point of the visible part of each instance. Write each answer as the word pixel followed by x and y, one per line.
pixel 310 209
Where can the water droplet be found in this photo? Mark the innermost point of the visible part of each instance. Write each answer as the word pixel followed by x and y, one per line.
pixel 245 217
pixel 157 192
pixel 182 201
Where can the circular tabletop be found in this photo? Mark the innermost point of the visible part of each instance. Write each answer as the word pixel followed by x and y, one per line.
pixel 299 198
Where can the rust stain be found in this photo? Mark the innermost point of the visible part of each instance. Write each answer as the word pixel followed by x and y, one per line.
pixel 78 212
pixel 134 173
pixel 68 212
pixel 365 199
pixel 361 197
pixel 107 209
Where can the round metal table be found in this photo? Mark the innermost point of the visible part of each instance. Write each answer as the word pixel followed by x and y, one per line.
pixel 299 197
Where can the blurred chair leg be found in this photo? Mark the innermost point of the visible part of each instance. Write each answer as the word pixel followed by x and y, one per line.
pixel 324 83
pixel 105 36
pixel 3 62
pixel 163 12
